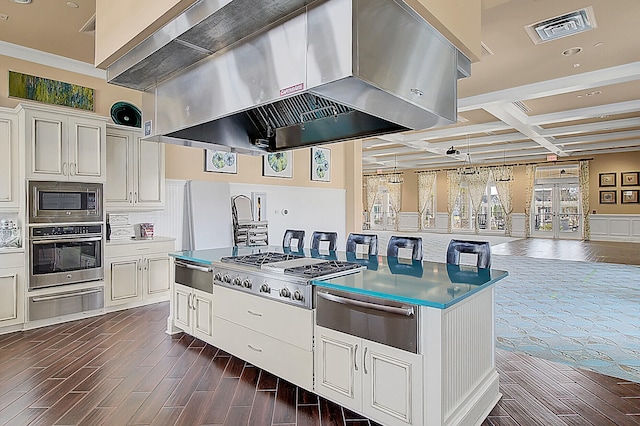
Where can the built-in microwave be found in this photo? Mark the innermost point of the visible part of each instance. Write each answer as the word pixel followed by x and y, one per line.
pixel 64 202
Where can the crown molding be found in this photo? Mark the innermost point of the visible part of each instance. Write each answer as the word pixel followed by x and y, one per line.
pixel 51 60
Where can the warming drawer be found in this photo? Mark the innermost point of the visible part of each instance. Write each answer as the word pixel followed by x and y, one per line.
pixel 65 303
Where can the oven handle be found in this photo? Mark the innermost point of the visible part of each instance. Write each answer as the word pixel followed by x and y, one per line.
pixel 65 240
pixel 194 267
pixel 406 311
pixel 64 296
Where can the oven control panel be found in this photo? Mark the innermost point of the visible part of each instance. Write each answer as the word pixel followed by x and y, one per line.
pixel 48 231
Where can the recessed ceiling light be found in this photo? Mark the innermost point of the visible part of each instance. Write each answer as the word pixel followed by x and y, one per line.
pixel 72 4
pixel 595 92
pixel 572 51
pixel 21 1
pixel 576 65
pixel 598 44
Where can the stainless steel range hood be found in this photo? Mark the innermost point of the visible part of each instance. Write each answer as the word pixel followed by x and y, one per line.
pixel 256 77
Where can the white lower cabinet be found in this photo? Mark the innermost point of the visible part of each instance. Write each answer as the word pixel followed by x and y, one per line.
pixel 192 310
pixel 137 272
pixel 269 334
pixel 378 381
pixel 12 289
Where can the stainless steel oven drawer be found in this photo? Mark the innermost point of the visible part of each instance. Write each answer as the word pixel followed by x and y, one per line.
pixel 384 321
pixel 65 303
pixel 194 275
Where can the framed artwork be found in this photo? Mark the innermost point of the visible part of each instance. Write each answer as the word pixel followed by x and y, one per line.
pixel 321 164
pixel 629 196
pixel 278 164
pixel 607 197
pixel 40 89
pixel 220 161
pixel 607 179
pixel 629 178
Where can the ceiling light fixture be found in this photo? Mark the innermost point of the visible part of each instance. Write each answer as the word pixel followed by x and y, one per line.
pixel 21 1
pixel 395 177
pixel 4 17
pixel 72 4
pixel 467 167
pixel 503 172
pixel 572 51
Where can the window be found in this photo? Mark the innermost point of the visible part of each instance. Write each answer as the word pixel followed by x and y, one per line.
pixel 461 216
pixel 382 215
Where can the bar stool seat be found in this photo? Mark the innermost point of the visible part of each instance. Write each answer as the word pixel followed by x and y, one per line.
pixel 370 240
pixel 412 243
pixel 293 234
pixel 318 236
pixel 481 248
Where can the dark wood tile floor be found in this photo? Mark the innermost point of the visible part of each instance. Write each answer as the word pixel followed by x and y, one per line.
pixel 588 251
pixel 121 368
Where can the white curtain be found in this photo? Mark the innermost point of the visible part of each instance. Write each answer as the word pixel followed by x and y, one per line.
pixel 530 175
pixel 584 196
pixel 505 193
pixel 395 199
pixel 477 188
pixel 372 185
pixel 426 181
pixel 453 188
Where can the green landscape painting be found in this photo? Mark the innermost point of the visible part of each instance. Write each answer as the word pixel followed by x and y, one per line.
pixel 54 92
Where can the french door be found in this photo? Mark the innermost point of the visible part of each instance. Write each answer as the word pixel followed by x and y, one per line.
pixel 556 211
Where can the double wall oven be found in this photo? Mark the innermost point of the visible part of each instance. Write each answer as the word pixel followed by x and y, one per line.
pixel 66 245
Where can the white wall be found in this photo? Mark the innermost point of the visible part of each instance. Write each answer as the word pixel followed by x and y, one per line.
pixel 309 209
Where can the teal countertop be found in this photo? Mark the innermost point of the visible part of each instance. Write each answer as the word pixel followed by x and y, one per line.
pixel 431 284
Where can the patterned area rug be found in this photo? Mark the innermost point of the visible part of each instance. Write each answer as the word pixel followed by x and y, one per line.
pixel 579 313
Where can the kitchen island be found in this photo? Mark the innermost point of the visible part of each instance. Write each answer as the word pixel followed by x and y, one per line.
pixel 449 378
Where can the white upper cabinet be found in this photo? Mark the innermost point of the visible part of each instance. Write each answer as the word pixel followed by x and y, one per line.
pixel 9 161
pixel 63 146
pixel 135 171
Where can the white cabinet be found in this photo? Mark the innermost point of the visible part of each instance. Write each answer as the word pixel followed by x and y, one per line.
pixel 135 171
pixel 381 382
pixel 193 311
pixel 269 334
pixel 137 272
pixel 9 161
pixel 63 146
pixel 11 289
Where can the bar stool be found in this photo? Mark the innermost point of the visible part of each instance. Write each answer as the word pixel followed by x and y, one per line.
pixel 317 237
pixel 370 240
pixel 481 248
pixel 293 234
pixel 412 243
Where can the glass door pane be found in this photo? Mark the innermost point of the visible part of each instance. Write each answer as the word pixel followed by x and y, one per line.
pixel 543 210
pixel 569 219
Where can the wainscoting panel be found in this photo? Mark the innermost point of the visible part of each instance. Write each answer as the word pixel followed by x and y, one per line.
pixel 409 221
pixel 518 225
pixel 615 227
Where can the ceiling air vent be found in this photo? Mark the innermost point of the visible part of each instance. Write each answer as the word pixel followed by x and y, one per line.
pixel 562 26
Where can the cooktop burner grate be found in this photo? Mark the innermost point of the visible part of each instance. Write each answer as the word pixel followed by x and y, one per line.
pixel 320 269
pixel 259 259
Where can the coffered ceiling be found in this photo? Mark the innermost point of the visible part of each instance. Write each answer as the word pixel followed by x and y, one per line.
pixel 523 101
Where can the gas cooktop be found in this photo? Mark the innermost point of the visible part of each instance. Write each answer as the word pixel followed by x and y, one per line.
pixel 259 259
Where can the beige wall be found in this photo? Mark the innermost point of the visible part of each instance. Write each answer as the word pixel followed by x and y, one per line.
pixel 105 94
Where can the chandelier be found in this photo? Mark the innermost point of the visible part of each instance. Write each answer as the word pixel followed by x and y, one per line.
pixel 395 177
pixel 467 168
pixel 502 173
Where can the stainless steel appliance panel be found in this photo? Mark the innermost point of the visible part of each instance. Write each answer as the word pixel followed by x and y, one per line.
pixel 64 202
pixel 60 255
pixel 65 303
pixel 380 320
pixel 194 275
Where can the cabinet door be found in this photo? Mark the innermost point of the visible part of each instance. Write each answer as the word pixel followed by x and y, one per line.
pixel 157 275
pixel 149 187
pixel 119 152
pixel 47 147
pixel 202 315
pixel 391 384
pixel 123 280
pixel 11 306
pixel 9 161
pixel 338 367
pixel 86 149
pixel 182 307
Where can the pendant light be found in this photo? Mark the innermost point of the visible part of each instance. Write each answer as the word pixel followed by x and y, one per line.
pixel 395 177
pixel 504 174
pixel 467 167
